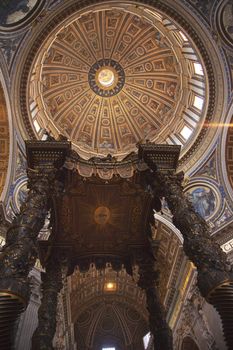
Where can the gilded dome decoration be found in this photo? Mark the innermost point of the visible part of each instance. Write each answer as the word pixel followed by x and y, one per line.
pixel 110 78
pixel 106 77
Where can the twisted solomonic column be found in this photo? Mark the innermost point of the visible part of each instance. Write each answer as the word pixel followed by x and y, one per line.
pixel 19 254
pixel 215 275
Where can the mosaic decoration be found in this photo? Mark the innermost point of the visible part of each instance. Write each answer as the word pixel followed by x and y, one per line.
pixel 209 168
pixel 227 21
pixel 203 199
pixel 224 217
pixel 12 11
pixel 17 195
pixel 111 78
pixel 20 194
pixel 18 187
pixel 227 18
pixel 210 172
pixel 9 47
pixel 203 6
pixel 21 165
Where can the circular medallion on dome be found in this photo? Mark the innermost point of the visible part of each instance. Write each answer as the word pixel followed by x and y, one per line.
pixel 110 78
pixel 106 77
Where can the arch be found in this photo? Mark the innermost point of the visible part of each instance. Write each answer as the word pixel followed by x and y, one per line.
pixel 226 152
pixel 126 292
pixel 107 323
pixel 4 140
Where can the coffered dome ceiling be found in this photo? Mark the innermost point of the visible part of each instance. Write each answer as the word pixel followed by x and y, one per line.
pixel 114 76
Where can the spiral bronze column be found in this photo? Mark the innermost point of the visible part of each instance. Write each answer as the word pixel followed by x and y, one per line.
pixel 215 275
pixel 19 254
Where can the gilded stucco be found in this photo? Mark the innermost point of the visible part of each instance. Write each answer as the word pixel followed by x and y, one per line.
pixel 152 94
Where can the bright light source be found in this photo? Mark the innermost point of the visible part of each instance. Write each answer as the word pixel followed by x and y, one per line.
pixel 146 340
pixel 198 69
pixel 106 77
pixel 198 102
pixel 110 286
pixel 186 132
pixel 108 348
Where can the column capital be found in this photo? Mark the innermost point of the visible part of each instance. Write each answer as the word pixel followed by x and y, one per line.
pixel 46 155
pixel 159 157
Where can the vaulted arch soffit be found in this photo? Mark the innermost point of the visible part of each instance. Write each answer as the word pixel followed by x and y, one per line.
pixel 227 152
pixel 85 287
pixel 110 321
pixel 4 143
